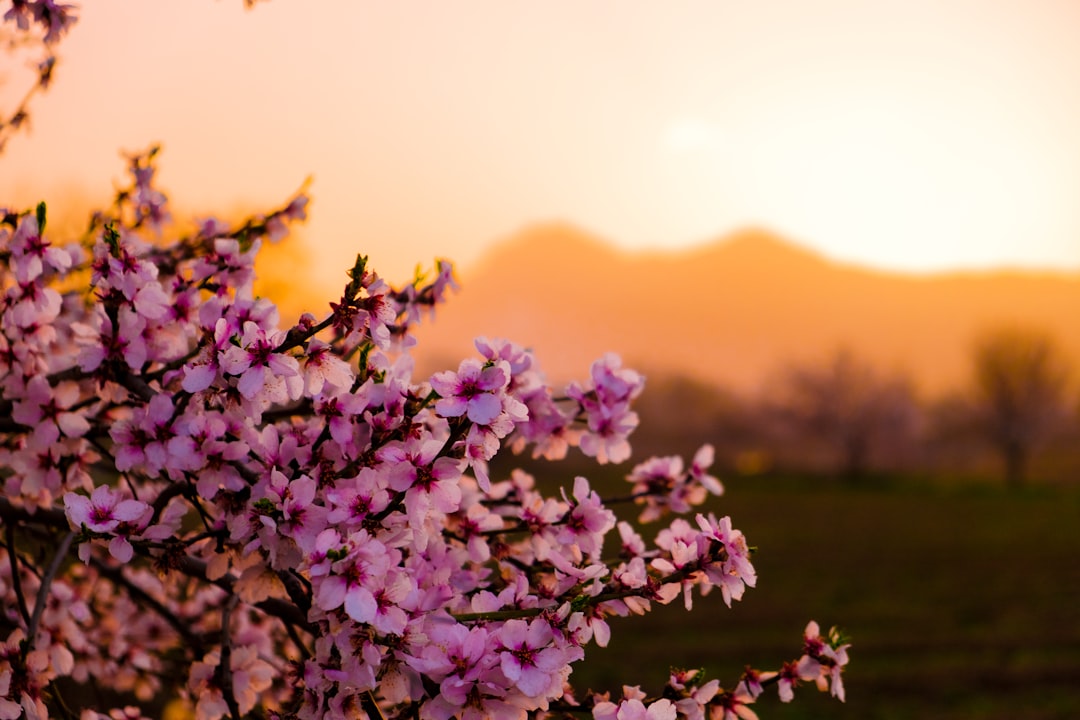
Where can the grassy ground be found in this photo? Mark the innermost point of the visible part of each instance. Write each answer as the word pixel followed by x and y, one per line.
pixel 963 601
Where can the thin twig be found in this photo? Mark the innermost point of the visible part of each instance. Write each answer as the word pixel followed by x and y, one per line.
pixel 46 583
pixel 224 668
pixel 16 581
pixel 374 712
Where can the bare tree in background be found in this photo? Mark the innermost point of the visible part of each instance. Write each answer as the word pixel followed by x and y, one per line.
pixel 847 405
pixel 1020 376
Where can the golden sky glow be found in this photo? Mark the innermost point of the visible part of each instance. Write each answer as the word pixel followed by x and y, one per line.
pixel 915 135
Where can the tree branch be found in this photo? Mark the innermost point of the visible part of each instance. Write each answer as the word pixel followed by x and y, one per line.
pixel 43 590
pixel 16 581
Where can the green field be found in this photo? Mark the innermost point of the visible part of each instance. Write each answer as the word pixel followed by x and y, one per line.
pixel 962 601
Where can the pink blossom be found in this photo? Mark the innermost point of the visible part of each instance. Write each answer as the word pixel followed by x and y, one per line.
pixel 32 255
pixel 735 572
pixel 528 658
pixel 126 343
pixel 823 660
pixel 46 410
pixel 103 511
pixel 428 480
pixel 201 373
pixel 472 391
pixel 608 429
pixel 634 709
pixel 31 304
pixel 255 360
pixel 351 582
pixel 734 706
pixel 323 368
pixel 694 705
pixel 353 500
pixel 587 522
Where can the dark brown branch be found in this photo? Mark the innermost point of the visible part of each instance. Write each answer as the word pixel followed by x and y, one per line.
pixel 50 517
pixel 16 581
pixel 224 668
pixel 43 589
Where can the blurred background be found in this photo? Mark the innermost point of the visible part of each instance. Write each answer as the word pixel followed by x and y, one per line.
pixel 841 239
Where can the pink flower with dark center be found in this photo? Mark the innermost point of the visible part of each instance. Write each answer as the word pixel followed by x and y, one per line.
pixel 322 368
pixel 528 658
pixel 733 706
pixel 789 679
pixel 693 707
pixel 32 255
pixel 735 571
pixel 143 440
pixel 473 391
pixel 353 577
pixel 353 500
pixel 126 344
pixel 472 525
pixel 32 303
pixel 606 439
pixel 822 662
pixel 256 358
pixel 751 682
pixel 587 522
pixel 428 480
pixel 103 511
pixel 45 409
pixel 203 371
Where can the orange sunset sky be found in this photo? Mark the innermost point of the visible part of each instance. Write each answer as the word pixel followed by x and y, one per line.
pixel 919 135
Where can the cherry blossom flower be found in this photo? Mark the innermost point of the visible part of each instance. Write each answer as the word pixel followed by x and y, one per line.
pixel 46 409
pixel 735 572
pixel 734 706
pixel 823 660
pixel 256 361
pixel 472 391
pixel 635 709
pixel 528 658
pixel 105 511
pixel 321 367
pixel 32 255
pixel 586 524
pixel 428 480
pixel 351 582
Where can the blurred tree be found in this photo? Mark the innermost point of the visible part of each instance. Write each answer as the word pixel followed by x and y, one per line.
pixel 848 407
pixel 679 414
pixel 1020 376
pixel 39 28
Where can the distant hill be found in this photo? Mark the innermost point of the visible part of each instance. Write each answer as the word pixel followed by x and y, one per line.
pixel 734 311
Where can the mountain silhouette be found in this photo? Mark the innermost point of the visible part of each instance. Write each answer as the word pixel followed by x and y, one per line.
pixel 736 311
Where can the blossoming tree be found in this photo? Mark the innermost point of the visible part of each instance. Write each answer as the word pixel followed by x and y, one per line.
pixel 202 505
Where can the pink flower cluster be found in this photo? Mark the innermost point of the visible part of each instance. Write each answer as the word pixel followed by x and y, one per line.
pixel 287 518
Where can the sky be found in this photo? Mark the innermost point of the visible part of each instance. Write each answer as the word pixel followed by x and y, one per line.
pixel 921 136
